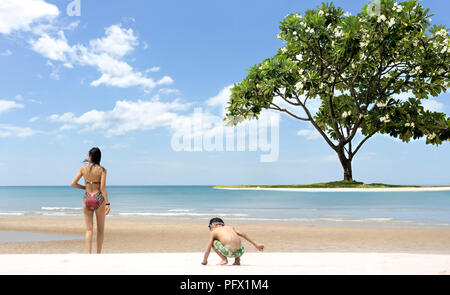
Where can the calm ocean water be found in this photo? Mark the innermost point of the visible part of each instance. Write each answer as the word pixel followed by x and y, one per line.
pixel 408 209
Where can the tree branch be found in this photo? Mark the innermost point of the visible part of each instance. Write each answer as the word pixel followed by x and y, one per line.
pixel 313 122
pixel 362 142
pixel 287 112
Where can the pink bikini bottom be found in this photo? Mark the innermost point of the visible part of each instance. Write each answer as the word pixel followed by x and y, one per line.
pixel 93 201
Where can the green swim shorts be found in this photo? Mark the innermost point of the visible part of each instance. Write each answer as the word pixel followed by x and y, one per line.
pixel 227 251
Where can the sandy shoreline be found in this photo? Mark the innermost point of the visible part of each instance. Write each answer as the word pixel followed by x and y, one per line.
pixel 252 264
pixel 154 236
pixel 391 189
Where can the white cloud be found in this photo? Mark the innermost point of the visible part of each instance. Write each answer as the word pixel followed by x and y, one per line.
pixel 152 69
pixel 19 97
pixel 67 127
pixel 220 100
pixel 118 146
pixel 328 158
pixel 33 119
pixel 105 54
pixel 127 116
pixel 310 134
pixel 55 74
pixel 52 48
pixel 125 80
pixel 72 25
pixel 333 158
pixel 428 104
pixel 165 80
pixel 15 131
pixel 166 91
pixel 6 105
pixel 312 105
pixel 20 14
pixel 7 52
pixel 68 65
pixel 118 42
pixel 365 156
pixel 432 105
pixel 192 130
pixel 403 96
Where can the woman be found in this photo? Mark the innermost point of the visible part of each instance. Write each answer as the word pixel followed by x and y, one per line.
pixel 95 198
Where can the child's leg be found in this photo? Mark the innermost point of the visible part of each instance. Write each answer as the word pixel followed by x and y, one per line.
pixel 237 261
pixel 224 259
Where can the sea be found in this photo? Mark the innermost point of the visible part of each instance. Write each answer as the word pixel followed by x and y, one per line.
pixel 430 209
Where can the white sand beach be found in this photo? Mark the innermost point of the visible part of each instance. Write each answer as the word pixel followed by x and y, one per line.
pixel 154 247
pixel 390 189
pixel 252 264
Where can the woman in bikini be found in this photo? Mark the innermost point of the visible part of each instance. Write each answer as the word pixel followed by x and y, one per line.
pixel 95 198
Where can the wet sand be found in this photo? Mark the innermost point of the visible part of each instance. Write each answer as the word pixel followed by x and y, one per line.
pixel 158 236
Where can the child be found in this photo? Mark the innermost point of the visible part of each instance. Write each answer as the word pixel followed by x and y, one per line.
pixel 226 242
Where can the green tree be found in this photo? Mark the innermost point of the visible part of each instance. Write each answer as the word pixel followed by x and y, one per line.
pixel 355 66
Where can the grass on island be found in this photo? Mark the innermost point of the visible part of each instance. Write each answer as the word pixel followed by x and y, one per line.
pixel 333 184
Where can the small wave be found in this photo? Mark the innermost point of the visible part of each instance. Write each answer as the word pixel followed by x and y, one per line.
pixel 274 219
pixel 12 213
pixel 175 214
pixel 58 214
pixel 357 220
pixel 380 219
pixel 179 210
pixel 312 220
pixel 270 209
pixel 34 213
pixel 59 208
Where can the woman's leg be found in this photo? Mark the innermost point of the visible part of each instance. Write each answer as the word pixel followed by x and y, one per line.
pixel 89 219
pixel 100 213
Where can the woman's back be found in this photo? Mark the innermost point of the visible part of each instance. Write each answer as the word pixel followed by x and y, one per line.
pixel 92 174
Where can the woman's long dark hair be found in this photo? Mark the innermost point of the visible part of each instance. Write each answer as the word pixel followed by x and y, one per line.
pixel 96 156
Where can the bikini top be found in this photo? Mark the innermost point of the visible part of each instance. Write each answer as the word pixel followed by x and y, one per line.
pixel 92 182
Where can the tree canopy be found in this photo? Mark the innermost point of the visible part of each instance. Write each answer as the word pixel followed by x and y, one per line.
pixel 371 73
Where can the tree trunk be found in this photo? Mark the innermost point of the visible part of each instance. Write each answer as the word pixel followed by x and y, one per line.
pixel 346 164
pixel 348 170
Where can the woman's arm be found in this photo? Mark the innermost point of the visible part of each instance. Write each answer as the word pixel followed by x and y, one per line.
pixel 75 183
pixel 103 189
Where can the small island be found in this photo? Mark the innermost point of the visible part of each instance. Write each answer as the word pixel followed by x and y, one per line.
pixel 339 186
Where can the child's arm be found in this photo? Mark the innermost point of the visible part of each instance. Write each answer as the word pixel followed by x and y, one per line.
pixel 208 249
pixel 260 247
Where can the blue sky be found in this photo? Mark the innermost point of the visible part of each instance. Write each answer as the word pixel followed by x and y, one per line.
pixel 123 72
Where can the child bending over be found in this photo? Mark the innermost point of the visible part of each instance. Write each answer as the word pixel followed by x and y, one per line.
pixel 226 242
